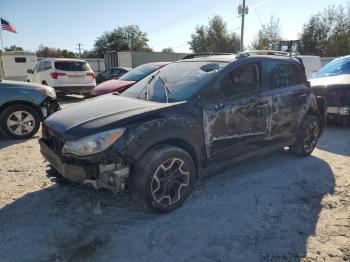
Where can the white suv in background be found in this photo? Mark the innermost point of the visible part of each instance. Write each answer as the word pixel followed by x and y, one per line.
pixel 66 76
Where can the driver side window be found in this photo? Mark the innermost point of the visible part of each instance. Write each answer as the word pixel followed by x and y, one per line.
pixel 240 81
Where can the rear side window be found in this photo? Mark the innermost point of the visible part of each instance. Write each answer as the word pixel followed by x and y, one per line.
pixel 71 66
pixel 20 60
pixel 277 74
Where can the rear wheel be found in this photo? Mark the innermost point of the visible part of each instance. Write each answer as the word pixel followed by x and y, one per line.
pixel 19 121
pixel 163 178
pixel 307 136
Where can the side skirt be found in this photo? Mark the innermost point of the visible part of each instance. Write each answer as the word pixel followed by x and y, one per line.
pixel 227 164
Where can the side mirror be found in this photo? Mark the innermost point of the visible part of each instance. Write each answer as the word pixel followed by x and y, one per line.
pixel 30 71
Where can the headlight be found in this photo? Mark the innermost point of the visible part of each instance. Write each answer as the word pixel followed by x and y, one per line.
pixel 92 144
pixel 49 91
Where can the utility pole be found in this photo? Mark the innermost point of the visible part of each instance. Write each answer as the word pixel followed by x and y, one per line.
pixel 242 10
pixel 79 48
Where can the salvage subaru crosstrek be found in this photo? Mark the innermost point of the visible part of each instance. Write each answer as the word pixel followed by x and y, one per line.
pixel 188 119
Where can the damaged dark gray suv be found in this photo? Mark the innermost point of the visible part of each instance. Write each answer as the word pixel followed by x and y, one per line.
pixel 190 118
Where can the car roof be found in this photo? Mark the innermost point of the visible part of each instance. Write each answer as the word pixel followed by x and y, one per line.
pixel 211 58
pixel 120 67
pixel 63 59
pixel 158 63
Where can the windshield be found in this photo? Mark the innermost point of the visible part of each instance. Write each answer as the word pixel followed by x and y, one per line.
pixel 139 72
pixel 72 66
pixel 338 66
pixel 175 82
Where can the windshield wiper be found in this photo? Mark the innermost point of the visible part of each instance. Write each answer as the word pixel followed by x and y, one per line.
pixel 166 88
pixel 148 83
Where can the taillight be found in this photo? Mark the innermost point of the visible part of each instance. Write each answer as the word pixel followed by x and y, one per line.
pixel 54 75
pixel 91 74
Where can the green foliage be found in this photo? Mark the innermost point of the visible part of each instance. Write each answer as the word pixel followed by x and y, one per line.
pixel 214 38
pixel 44 51
pixel 13 48
pixel 327 33
pixel 268 37
pixel 168 50
pixel 122 38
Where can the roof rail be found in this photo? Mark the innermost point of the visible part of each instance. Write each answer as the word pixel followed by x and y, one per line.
pixel 263 52
pixel 190 56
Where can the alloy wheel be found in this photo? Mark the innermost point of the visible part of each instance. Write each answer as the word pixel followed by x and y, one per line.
pixel 20 123
pixel 169 181
pixel 311 137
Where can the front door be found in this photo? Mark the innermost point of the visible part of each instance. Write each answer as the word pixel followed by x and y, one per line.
pixel 235 116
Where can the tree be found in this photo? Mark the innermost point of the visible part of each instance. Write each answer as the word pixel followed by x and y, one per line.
pixel 168 50
pixel 214 38
pixel 13 48
pixel 122 38
pixel 327 33
pixel 44 51
pixel 269 36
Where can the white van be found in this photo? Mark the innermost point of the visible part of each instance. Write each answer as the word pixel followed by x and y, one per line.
pixel 311 63
pixel 16 64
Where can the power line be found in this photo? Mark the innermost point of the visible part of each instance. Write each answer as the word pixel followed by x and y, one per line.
pixel 188 14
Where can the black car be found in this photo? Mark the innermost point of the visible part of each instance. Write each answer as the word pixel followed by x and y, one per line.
pixel 188 119
pixel 333 82
pixel 111 73
pixel 23 106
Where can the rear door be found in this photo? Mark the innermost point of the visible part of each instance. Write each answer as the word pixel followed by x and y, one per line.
pixel 286 85
pixel 235 115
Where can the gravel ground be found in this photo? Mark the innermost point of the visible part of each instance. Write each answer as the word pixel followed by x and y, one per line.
pixel 275 208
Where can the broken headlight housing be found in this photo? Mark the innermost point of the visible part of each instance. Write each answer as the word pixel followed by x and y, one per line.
pixel 92 144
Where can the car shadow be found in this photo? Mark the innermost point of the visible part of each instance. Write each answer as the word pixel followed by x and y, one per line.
pixel 262 210
pixel 330 140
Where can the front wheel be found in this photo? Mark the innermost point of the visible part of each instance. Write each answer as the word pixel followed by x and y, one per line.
pixel 308 135
pixel 19 121
pixel 163 178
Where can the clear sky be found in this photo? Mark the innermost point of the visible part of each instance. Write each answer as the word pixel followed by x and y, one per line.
pixel 63 24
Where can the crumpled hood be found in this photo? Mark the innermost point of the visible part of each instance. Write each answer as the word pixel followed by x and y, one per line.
pixel 100 114
pixel 111 86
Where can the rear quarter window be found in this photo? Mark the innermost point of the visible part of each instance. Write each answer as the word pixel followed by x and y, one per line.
pixel 278 74
pixel 72 66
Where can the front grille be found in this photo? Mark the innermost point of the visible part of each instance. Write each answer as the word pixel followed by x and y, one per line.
pixel 52 140
pixel 337 96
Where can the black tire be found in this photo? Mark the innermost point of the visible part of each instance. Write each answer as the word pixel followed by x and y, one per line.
pixel 308 134
pixel 20 131
pixel 158 189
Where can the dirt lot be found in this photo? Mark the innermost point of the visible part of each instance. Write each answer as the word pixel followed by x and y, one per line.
pixel 275 208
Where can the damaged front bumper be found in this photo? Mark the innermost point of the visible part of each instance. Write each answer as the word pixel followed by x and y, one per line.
pixel 101 171
pixel 49 106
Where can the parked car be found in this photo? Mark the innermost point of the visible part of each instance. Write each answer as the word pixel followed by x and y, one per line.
pixel 333 82
pixel 184 121
pixel 311 63
pixel 127 80
pixel 111 73
pixel 23 106
pixel 66 76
